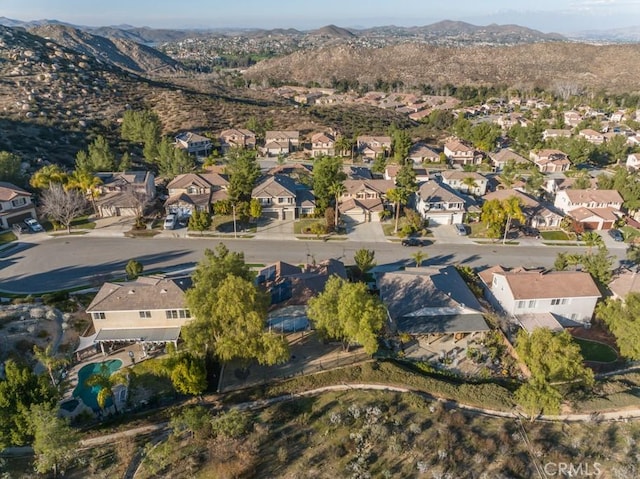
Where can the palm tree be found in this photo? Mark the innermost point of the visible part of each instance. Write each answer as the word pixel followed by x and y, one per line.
pixel 45 176
pixel 104 380
pixel 337 190
pixel 591 239
pixel 512 209
pixel 87 183
pixel 399 196
pixel 343 144
pixel 419 257
pixel 49 360
pixel 470 183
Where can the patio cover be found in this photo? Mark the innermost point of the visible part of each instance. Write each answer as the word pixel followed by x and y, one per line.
pixel 532 321
pixel 86 342
pixel 149 335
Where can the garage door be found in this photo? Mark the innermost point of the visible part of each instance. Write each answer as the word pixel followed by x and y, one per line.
pixel 591 225
pixel 272 215
pixel 289 215
pixel 440 220
pixel 18 219
pixel 353 217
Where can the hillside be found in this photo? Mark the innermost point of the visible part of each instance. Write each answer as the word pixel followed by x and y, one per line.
pixel 614 68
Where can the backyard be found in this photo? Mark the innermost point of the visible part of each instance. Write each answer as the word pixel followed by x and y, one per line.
pixel 596 351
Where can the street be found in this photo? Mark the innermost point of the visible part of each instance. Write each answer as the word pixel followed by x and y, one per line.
pixel 71 261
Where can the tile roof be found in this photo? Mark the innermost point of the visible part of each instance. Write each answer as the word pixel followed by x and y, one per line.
pixel 435 192
pixel 9 191
pixel 550 284
pixel 593 196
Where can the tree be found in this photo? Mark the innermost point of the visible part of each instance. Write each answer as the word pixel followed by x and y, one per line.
pixel 49 360
pixel 538 397
pixel 125 162
pixel 87 183
pixel 591 239
pixel 406 178
pixel 98 158
pixel 599 265
pixel 10 167
pixel 498 214
pixel 19 390
pixel 343 145
pixel 470 183
pixel 141 126
pixel 327 171
pixel 55 444
pixel 419 257
pixel 63 205
pixel 623 320
pixel 48 175
pixel 379 164
pixel 188 374
pixel 230 312
pixel 399 196
pixel 365 260
pixel 172 161
pixel 255 209
pixel 105 381
pixel 200 220
pixel 347 312
pixel 133 269
pixel 337 190
pixel 633 254
pixel 582 182
pixel 243 171
pixel 400 144
pixel 534 182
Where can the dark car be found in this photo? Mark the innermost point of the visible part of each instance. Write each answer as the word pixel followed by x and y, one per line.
pixel 616 235
pixel 412 242
pixel 528 231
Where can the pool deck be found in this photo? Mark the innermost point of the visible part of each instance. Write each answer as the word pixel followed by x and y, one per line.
pixel 72 375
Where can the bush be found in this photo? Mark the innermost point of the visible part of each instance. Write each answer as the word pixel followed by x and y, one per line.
pixel 50 299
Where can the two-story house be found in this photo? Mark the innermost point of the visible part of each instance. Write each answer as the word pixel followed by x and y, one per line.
pixel 323 144
pixel 633 161
pixel 237 138
pixel 284 199
pixel 570 297
pixel 363 200
pixel 194 144
pixel 465 181
pixel 572 118
pixel 421 153
pixel 125 193
pixel 195 192
pixel 550 161
pixel 439 204
pixel 460 154
pixel 149 310
pixel 592 136
pixel 15 205
pixel 280 142
pixel 537 213
pixel 504 156
pixel 372 147
pixel 595 209
pixel 551 133
pixel 391 172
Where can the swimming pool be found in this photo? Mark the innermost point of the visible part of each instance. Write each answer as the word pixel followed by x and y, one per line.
pixel 89 395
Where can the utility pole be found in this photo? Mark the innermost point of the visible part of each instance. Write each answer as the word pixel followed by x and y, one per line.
pixel 235 231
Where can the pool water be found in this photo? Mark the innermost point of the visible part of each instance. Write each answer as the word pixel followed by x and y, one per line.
pixel 89 395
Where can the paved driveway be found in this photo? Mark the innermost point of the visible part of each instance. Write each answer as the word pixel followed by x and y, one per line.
pixel 367 232
pixel 274 229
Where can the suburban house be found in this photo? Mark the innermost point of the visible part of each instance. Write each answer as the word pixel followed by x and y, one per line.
pixel 125 194
pixel 592 136
pixel 373 146
pixel 149 310
pixel 595 209
pixel 354 172
pixel 570 296
pixel 460 154
pixel 297 171
pixel 284 199
pixel 436 308
pixel 194 144
pixel 555 133
pixel 550 160
pixel 538 215
pixel 237 138
pixel 279 142
pixel 15 205
pixel 439 204
pixel 391 171
pixel 363 200
pixel 633 161
pixel 323 144
pixel 195 192
pixel 617 116
pixel 500 159
pixel 624 282
pixel 465 181
pixel 572 118
pixel 555 182
pixel 421 153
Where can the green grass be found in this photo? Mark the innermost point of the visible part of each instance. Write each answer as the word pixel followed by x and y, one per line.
pixel 555 236
pixel 630 233
pixel 7 237
pixel 303 226
pixel 594 351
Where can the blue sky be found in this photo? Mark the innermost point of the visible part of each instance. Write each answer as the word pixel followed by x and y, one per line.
pixel 546 15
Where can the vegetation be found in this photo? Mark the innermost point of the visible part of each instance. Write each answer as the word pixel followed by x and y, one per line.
pixel 347 312
pixel 133 269
pixel 200 220
pixel 55 443
pixel 365 260
pixel 10 168
pixel 327 172
pixel 105 381
pixel 52 362
pixel 243 171
pixel 498 214
pixel 623 320
pixel 63 206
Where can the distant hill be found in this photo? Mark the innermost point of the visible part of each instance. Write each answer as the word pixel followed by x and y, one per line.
pixel 333 31
pixel 615 35
pixel 126 54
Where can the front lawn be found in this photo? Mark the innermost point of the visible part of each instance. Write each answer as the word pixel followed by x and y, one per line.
pixel 630 233
pixel 556 235
pixel 7 237
pixel 304 225
pixel 595 351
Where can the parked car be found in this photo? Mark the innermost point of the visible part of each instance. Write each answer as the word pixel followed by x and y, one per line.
pixel 170 222
pixel 460 229
pixel 33 225
pixel 412 242
pixel 529 231
pixel 616 235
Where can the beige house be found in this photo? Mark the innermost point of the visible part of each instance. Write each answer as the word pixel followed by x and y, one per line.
pixel 284 199
pixel 555 133
pixel 195 192
pixel 594 209
pixel 194 144
pixel 237 138
pixel 465 181
pixel 15 205
pixel 149 310
pixel 278 142
pixel 125 194
pixel 421 153
pixel 323 144
pixel 550 161
pixel 460 154
pixel 504 156
pixel 592 136
pixel 373 146
pixel 363 200
pixel 537 214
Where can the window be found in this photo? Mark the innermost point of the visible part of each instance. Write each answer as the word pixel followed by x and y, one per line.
pixel 19 202
pixel 280 200
pixel 172 314
pixel 99 315
pixel 144 314
pixel 184 313
pixel 555 302
pixel 565 301
pixel 532 303
pixel 520 304
pixel 574 316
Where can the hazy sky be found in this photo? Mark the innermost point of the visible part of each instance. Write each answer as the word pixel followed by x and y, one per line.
pixel 545 15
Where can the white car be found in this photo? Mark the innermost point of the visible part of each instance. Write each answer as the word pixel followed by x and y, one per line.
pixel 170 222
pixel 33 225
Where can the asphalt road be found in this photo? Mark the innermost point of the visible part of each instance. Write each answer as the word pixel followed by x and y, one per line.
pixel 60 263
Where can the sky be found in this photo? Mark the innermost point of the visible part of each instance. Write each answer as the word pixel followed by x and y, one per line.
pixel 562 16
